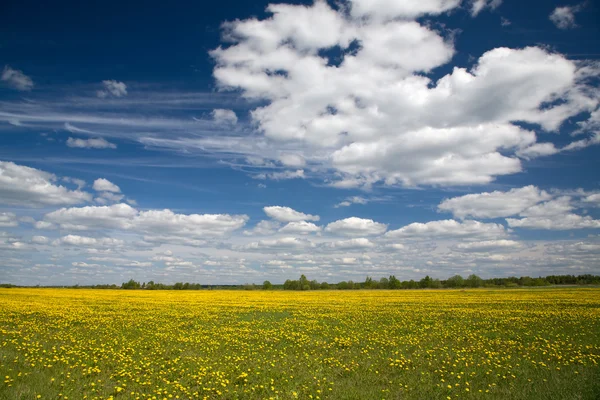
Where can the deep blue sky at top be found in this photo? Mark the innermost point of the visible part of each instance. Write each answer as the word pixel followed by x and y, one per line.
pixel 66 42
pixel 164 46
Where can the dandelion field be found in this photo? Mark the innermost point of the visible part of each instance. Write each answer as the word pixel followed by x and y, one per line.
pixel 425 344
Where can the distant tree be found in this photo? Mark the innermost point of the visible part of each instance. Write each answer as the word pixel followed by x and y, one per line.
pixel 267 285
pixel 131 284
pixel 343 285
pixel 384 283
pixel 368 283
pixel 473 281
pixel 324 285
pixel 456 281
pixel 393 282
pixel 304 285
pixel 435 284
pixel 525 281
pixel 425 282
pixel 291 285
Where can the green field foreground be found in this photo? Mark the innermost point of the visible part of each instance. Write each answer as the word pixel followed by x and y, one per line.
pixel 421 344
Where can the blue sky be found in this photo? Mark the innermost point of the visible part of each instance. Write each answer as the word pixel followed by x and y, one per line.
pixel 248 141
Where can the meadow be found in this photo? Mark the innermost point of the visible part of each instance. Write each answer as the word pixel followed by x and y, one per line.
pixel 421 344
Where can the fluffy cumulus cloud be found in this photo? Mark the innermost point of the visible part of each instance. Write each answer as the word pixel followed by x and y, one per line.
pixel 30 187
pixel 287 214
pixel 555 214
pixel 224 117
pixel 564 17
pixel 104 185
pixel 390 9
pixel 351 91
pixel 494 204
pixel 355 226
pixel 112 88
pixel 98 143
pixel 117 216
pixel 449 229
pixel 593 199
pixel 300 227
pixel 152 222
pixel 263 228
pixel 537 208
pixel 16 79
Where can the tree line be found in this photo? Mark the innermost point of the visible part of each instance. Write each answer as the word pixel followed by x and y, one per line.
pixel 391 282
pixel 457 281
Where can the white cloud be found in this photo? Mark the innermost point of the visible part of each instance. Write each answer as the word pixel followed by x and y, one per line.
pixel 292 160
pixel 109 197
pixel 153 222
pixel 286 214
pixel 117 216
pixel 537 150
pixel 224 117
pixel 77 241
pixel 355 243
pixel 390 9
pixel 564 17
pixel 277 176
pixel 583 143
pixel 112 88
pixel 195 225
pixel 352 200
pixel 286 243
pixel 44 225
pixel 449 229
pixel 104 185
pixel 553 215
pixel 8 220
pixel 30 187
pixel 592 198
pixel 355 226
pixel 547 149
pixel 98 143
pixel 301 227
pixel 566 222
pixel 372 115
pixel 263 228
pixel 494 204
pixel 82 264
pixel 478 5
pixel 16 79
pixel 78 182
pixel 27 219
pixel 138 264
pixel 488 246
pixel 40 239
